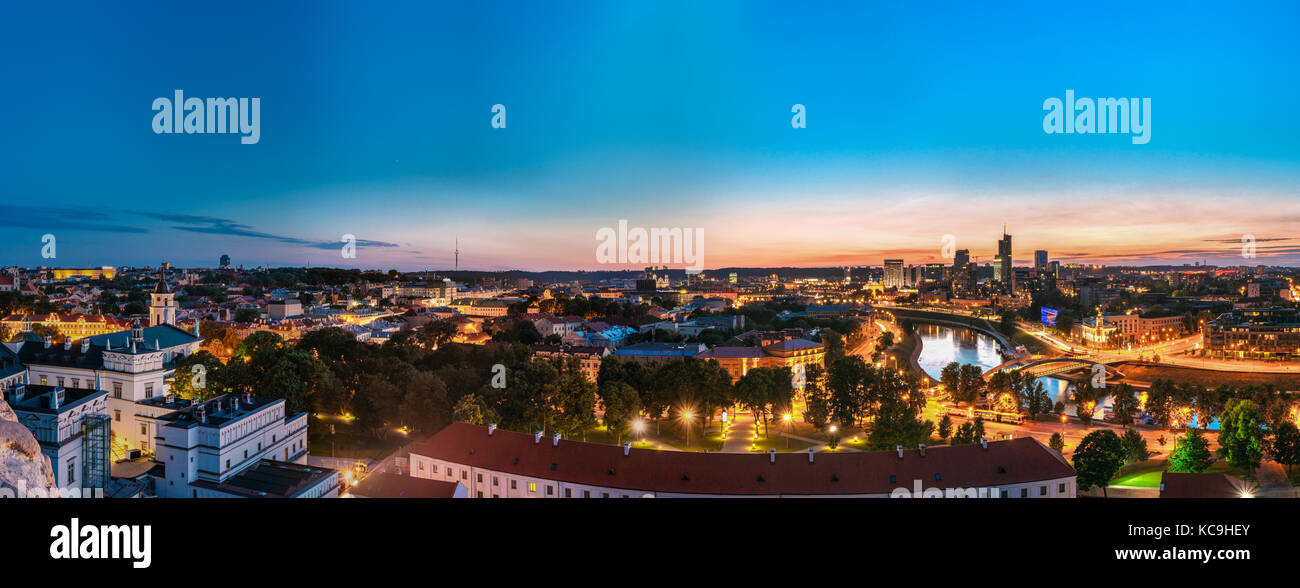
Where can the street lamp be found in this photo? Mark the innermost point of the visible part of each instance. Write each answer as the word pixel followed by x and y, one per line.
pixel 786 417
pixel 686 416
pixel 638 426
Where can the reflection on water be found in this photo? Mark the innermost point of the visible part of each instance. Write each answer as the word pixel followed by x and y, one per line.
pixel 942 345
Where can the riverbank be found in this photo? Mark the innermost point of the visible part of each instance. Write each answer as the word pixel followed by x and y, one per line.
pixel 1147 372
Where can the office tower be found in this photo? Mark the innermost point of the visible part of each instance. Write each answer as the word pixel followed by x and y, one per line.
pixel 961 259
pixel 894 273
pixel 1007 277
pixel 1040 260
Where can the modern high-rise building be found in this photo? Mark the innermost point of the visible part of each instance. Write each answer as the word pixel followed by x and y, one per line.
pixel 225 262
pixel 1006 276
pixel 961 259
pixel 1040 260
pixel 894 273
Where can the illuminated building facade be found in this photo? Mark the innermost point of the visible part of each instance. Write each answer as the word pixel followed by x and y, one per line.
pixel 72 326
pixel 100 273
pixel 1256 333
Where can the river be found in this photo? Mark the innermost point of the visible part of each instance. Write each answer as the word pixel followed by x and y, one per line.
pixel 941 345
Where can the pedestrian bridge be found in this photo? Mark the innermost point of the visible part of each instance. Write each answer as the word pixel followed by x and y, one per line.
pixel 1046 367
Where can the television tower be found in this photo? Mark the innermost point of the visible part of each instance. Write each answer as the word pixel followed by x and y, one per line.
pixel 457 253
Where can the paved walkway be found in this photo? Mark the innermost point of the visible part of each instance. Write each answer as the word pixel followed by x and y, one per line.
pixel 740 435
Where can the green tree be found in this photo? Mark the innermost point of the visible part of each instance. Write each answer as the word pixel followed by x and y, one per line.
pixel 1057 442
pixel 424 402
pixel 435 334
pixel 198 377
pixel 1085 398
pixel 1191 453
pixel 1241 434
pixel 473 410
pixel 247 315
pixel 1135 446
pixel 621 404
pixel 970 386
pixel 817 399
pixel 1286 445
pixel 945 427
pixel 1125 405
pixel 950 378
pixel 896 424
pixel 1097 459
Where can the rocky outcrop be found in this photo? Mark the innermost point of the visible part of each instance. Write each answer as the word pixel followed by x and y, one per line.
pixel 22 465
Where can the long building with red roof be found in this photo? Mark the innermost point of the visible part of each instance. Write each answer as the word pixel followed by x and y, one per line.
pixel 495 463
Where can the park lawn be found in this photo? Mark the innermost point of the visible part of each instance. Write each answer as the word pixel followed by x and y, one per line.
pixel 780 443
pixel 1221 467
pixel 1144 474
pixel 804 429
pixel 350 441
pixel 1147 474
pixel 674 435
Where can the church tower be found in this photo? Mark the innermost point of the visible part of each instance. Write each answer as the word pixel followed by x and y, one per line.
pixel 162 302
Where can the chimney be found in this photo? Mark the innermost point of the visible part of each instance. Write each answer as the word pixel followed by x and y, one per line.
pixel 984 442
pixel 48 341
pixel 921 446
pixel 492 428
pixel 203 413
pixel 85 345
pixel 627 447
pixel 810 455
pixel 555 440
pixel 900 452
pixel 54 398
pixel 67 344
pixel 234 404
pixel 771 454
pixel 537 437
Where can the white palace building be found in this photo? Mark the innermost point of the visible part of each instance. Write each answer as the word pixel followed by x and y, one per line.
pixel 495 463
pixel 133 366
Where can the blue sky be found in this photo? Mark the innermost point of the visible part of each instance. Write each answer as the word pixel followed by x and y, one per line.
pixel 922 120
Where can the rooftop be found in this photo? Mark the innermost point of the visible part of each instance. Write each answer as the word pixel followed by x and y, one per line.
pixel 1179 485
pixel 38 398
pixel 270 479
pixel 382 485
pixel 218 412
pixel 661 349
pixel 1013 461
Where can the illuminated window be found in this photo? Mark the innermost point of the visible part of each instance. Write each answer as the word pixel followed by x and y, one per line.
pixel 532 487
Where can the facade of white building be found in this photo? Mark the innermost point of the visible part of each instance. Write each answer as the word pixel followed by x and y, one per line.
pixel 57 418
pixel 205 449
pixel 133 367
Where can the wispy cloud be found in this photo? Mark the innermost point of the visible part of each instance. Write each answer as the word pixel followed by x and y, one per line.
pixel 49 218
pixel 222 226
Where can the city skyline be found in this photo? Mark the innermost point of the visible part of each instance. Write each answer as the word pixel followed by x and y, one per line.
pixel 624 121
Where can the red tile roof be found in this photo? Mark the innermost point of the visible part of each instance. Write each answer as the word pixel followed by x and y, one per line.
pixel 382 485
pixel 1180 485
pixel 735 352
pixel 1015 461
